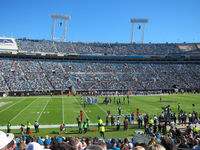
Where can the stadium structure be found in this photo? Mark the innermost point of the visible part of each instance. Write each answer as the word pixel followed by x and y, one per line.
pixel 43 66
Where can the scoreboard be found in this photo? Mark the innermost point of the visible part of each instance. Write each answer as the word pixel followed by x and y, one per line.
pixel 8 44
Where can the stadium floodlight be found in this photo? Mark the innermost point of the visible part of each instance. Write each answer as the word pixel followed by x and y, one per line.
pixel 63 17
pixel 133 21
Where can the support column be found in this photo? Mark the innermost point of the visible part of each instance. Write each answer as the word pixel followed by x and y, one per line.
pixel 143 32
pixel 132 32
pixel 65 29
pixel 53 29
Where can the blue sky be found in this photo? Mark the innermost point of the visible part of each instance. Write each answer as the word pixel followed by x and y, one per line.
pixel 103 20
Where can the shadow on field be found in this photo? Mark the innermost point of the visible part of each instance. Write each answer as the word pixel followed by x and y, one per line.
pixel 54 132
pixel 17 133
pixel 72 132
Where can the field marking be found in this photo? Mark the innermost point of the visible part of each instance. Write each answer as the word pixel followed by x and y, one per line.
pixel 5 103
pixel 63 110
pixel 23 110
pixel 50 126
pixel 112 110
pixel 126 111
pixel 82 108
pixel 101 108
pixel 12 105
pixel 43 110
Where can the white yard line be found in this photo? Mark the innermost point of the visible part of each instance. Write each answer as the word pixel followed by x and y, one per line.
pixel 43 110
pixel 12 105
pixel 112 110
pixel 101 108
pixel 63 110
pixel 82 108
pixel 46 126
pixel 23 110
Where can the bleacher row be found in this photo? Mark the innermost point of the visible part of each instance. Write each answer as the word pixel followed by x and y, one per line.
pixel 111 49
pixel 41 75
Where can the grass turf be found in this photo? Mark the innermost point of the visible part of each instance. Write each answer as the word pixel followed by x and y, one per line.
pixel 56 109
pixel 110 132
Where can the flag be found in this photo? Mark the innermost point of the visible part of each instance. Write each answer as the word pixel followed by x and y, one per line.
pixel 60 24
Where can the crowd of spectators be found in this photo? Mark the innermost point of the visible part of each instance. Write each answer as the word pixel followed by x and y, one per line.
pixel 46 75
pixel 156 136
pixel 13 75
pixel 174 139
pixel 55 75
pixel 36 77
pixel 110 49
pixel 3 86
pixel 27 45
pixel 46 46
pixel 64 47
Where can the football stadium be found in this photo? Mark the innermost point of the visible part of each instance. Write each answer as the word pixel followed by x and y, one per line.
pixel 135 95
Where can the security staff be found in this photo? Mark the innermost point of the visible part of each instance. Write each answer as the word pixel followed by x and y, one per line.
pixel 151 121
pixel 28 127
pixel 102 130
pixel 100 121
pixel 85 127
pixel 195 130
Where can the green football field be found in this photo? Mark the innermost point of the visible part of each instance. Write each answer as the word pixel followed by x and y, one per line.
pixel 57 109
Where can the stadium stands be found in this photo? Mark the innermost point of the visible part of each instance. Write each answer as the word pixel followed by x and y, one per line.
pixel 21 74
pixel 13 75
pixel 116 49
pixel 41 75
pixel 17 74
pixel 27 45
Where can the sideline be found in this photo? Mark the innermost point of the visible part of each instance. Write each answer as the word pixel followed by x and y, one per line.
pixel 76 125
pixel 46 126
pixel 55 126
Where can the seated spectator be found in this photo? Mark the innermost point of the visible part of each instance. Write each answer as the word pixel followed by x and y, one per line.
pixel 167 143
pixel 139 148
pixel 113 145
pixel 7 141
pixel 47 143
pixel 102 144
pixel 95 147
pixel 152 141
pixel 34 146
pixel 156 147
pixel 75 143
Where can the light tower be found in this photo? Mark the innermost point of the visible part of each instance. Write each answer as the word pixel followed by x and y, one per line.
pixel 133 21
pixel 63 17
